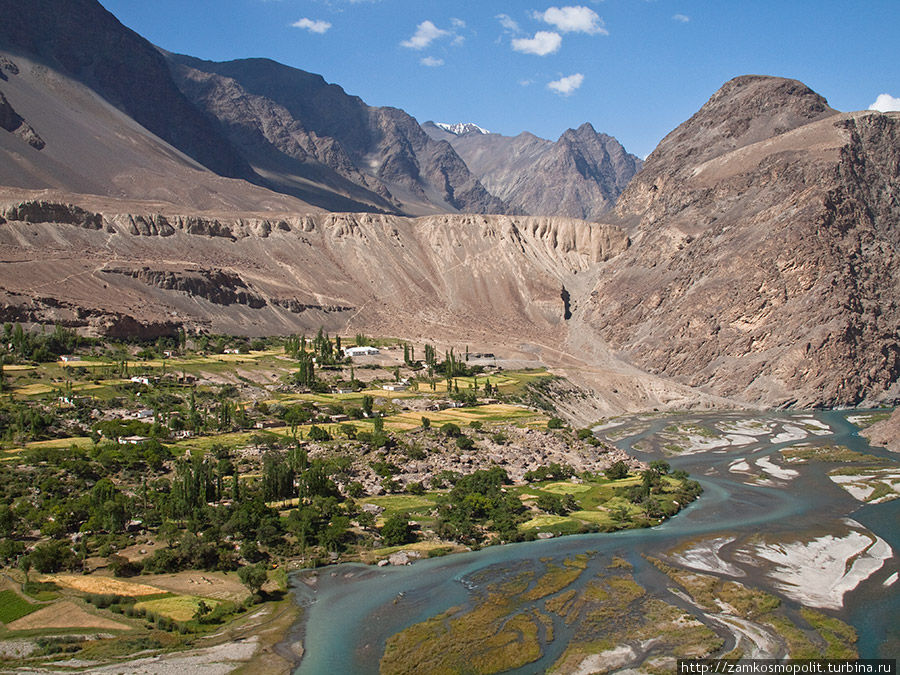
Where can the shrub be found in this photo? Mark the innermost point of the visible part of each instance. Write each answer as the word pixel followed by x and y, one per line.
pixel 451 430
pixel 316 433
pixel 355 489
pixel 617 471
pixel 464 443
pixel 397 531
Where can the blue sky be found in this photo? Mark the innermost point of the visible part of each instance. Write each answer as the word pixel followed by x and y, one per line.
pixel 634 69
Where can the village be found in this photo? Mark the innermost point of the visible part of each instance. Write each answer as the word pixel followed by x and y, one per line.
pixel 204 468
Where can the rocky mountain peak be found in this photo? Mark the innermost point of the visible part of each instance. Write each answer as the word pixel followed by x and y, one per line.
pixel 461 128
pixel 743 111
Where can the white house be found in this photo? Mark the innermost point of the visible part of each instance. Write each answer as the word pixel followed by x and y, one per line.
pixel 360 351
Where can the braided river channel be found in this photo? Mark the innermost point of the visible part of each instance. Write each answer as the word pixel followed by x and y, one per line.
pixel 796 504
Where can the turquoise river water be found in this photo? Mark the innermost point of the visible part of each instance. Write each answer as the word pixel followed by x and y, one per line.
pixel 352 609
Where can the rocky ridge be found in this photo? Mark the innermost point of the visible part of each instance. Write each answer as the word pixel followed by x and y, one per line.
pixel 579 176
pixel 292 123
pixel 763 265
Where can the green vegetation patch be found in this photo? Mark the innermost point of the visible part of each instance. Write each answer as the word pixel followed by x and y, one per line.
pixel 556 578
pixel 484 640
pixel 13 606
pixel 864 420
pixel 828 453
pixel 400 503
pixel 839 637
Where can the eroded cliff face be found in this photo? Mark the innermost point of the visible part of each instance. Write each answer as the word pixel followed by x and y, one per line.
pixel 497 276
pixel 764 268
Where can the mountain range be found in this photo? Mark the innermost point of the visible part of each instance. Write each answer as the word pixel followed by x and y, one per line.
pixel 271 125
pixel 750 260
pixel 581 175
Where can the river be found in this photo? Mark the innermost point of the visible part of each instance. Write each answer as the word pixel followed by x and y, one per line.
pixel 352 609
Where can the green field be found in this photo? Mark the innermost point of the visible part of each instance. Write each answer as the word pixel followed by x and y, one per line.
pixel 13 606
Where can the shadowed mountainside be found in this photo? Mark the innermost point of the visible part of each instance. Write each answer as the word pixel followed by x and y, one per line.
pixel 292 123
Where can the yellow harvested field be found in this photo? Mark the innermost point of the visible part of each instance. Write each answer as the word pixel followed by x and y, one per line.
pixel 485 413
pixel 34 389
pixel 98 584
pixel 566 488
pixel 179 608
pixel 65 614
pixel 78 441
pixel 545 521
pixel 12 368
pixel 218 585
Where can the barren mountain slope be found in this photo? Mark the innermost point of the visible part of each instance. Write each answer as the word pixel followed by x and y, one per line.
pixel 886 432
pixel 764 264
pixel 81 40
pixel 89 147
pixel 579 176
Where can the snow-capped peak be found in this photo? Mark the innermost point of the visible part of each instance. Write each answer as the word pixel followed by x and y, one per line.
pixel 461 128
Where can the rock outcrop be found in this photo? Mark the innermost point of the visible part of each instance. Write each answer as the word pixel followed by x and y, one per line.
pixel 14 123
pixel 765 234
pixel 885 433
pixel 435 275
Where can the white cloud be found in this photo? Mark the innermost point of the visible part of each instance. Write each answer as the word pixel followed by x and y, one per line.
pixel 431 62
pixel 426 33
pixel 565 86
pixel 526 83
pixel 543 43
pixel 509 24
pixel 573 20
pixel 886 103
pixel 682 18
pixel 457 23
pixel 312 26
